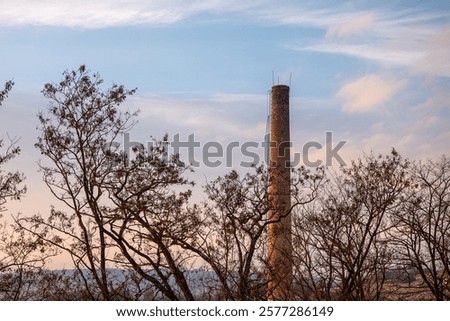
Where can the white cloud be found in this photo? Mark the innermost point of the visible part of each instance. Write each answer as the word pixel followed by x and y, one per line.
pixel 367 93
pixel 387 56
pixel 353 26
pixel 100 14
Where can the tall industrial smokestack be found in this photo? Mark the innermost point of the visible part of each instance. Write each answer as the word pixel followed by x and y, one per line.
pixel 279 232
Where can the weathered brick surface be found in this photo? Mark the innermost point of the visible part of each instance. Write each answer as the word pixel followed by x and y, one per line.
pixel 279 233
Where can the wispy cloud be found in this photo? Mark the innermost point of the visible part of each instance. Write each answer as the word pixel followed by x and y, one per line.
pixel 401 38
pixel 436 58
pixel 84 14
pixel 384 55
pixel 107 13
pixel 352 27
pixel 221 117
pixel 415 40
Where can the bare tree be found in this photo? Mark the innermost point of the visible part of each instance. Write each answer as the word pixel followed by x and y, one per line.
pixel 9 182
pixel 341 240
pixel 120 210
pixel 149 217
pixel 5 91
pixel 81 119
pixel 21 257
pixel 22 263
pixel 423 226
pixel 233 237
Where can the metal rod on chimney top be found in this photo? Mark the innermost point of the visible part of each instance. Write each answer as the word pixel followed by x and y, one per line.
pixel 279 232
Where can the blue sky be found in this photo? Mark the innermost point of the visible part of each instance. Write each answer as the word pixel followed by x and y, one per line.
pixel 375 73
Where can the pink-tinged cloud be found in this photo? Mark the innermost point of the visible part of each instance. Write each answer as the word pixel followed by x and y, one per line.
pixel 436 60
pixel 368 93
pixel 352 27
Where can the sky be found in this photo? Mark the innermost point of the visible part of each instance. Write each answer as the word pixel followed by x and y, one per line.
pixel 374 73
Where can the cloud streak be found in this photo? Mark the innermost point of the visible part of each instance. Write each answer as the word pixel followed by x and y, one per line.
pixel 406 38
pixel 218 117
pixel 102 14
pixel 352 27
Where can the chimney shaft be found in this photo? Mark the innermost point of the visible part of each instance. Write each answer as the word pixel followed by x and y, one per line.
pixel 279 232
